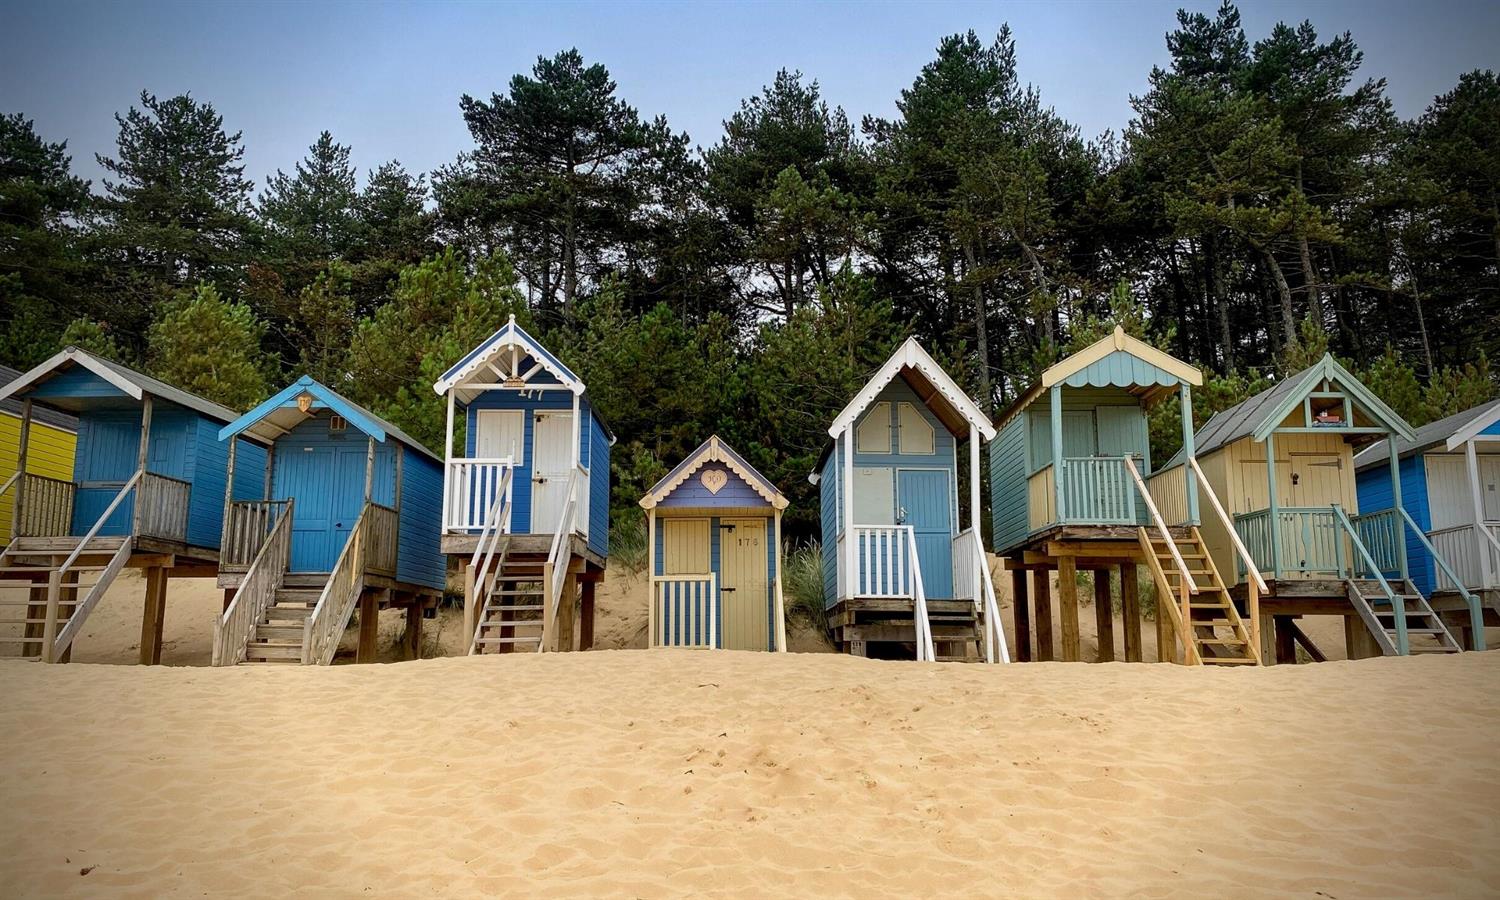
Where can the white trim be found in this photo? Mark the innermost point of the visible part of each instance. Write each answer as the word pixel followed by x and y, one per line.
pixel 1471 430
pixel 713 451
pixel 509 336
pixel 910 355
pixel 73 355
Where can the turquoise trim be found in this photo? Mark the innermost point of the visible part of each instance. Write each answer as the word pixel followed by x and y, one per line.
pixel 287 398
pixel 1329 368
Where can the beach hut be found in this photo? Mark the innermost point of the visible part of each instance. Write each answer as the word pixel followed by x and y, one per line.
pixel 146 491
pixel 51 441
pixel 1068 493
pixel 897 566
pixel 714 545
pixel 350 520
pixel 1450 507
pixel 1283 462
pixel 526 499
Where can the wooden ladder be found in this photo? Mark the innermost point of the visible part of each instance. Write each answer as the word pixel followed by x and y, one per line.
pixel 1378 612
pixel 514 600
pixel 45 623
pixel 276 639
pixel 1217 635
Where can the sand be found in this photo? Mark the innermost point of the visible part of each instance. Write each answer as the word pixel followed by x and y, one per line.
pixel 672 773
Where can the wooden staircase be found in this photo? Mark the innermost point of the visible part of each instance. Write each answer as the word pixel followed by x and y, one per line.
pixel 956 630
pixel 63 579
pixel 1219 636
pixel 1377 610
pixel 277 637
pixel 513 611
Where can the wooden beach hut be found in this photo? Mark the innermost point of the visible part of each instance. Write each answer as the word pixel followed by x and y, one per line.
pixel 50 445
pixel 526 498
pixel 1068 494
pixel 146 491
pixel 714 545
pixel 1450 502
pixel 898 566
pixel 350 520
pixel 1283 462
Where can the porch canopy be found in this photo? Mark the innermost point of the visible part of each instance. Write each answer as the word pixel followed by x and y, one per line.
pixel 714 450
pixel 509 358
pixel 56 384
pixel 952 406
pixel 305 398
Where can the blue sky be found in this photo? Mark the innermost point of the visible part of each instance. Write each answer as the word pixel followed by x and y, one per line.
pixel 386 78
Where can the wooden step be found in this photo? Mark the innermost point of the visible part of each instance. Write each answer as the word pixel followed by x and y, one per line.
pixel 509 640
pixel 33 569
pixel 527 608
pixel 286 612
pixel 279 633
pixel 1227 660
pixel 276 650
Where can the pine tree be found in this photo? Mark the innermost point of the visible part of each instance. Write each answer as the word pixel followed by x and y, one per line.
pixel 211 347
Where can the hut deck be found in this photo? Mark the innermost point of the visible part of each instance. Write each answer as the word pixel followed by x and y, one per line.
pixel 861 621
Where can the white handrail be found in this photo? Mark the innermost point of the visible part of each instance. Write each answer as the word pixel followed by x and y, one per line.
pixel 925 650
pixel 489 541
pixel 991 611
pixel 1161 525
pixel 1234 536
pixel 108 511
pixel 555 558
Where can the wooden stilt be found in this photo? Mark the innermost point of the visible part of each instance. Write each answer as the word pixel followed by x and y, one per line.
pixel 1067 605
pixel 412 639
pixel 1130 612
pixel 1041 583
pixel 1104 615
pixel 1286 646
pixel 1166 635
pixel 586 616
pixel 154 616
pixel 471 604
pixel 70 598
pixel 1021 609
pixel 1358 642
pixel 568 612
pixel 1267 639
pixel 369 627
pixel 36 609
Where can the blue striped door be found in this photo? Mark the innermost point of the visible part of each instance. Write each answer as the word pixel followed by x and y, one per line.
pixel 305 474
pixel 348 497
pixel 107 453
pixel 925 496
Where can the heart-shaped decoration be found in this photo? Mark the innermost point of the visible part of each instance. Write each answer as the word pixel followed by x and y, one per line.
pixel 714 480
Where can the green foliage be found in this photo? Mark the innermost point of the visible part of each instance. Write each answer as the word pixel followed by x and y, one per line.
pixel 1457 388
pixel 1391 379
pixel 211 347
pixel 325 326
pixel 88 334
pixel 628 541
pixel 802 586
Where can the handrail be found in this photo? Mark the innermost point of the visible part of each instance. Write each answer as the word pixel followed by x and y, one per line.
pixel 1161 526
pixel 991 610
pixel 925 650
pixel 557 565
pixel 489 541
pixel 1234 535
pixel 1476 611
pixel 1398 604
pixel 99 523
pixel 319 635
pixel 260 583
pixel 15 476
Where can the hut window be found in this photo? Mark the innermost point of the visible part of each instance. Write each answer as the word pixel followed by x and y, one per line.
pixel 337 424
pixel 873 435
pixel 917 434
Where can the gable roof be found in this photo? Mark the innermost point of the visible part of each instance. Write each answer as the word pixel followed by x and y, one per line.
pixel 1115 360
pixel 1450 433
pixel 713 450
pixel 43 415
pixel 510 336
pixel 127 380
pixel 281 413
pixel 1259 415
pixel 941 393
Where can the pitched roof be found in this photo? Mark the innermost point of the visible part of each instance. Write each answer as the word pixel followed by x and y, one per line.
pixel 43 414
pixel 509 336
pixel 281 413
pixel 129 382
pixel 713 450
pixel 1428 436
pixel 1259 415
pixel 941 393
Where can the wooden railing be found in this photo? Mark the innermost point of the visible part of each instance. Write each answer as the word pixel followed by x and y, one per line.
pixel 684 611
pixel 925 650
pixel 1380 532
pixel 1255 585
pixel 53 643
pixel 1476 610
pixel 491 538
pixel 470 487
pixel 247 527
pixel 1398 604
pixel 1464 547
pixel 325 625
pixel 965 572
pixel 257 591
pixel 883 561
pixel 161 507
pixel 559 560
pixel 1311 540
pixel 384 538
pixel 1176 604
pixel 1097 490
pixel 46 506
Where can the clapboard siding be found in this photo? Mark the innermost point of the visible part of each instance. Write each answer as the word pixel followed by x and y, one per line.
pixel 206 497
pixel 830 513
pixel 1374 490
pixel 419 557
pixel 597 445
pixel 1008 500
pixel 49 452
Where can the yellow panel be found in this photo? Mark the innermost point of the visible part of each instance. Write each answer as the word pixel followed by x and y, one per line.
pixel 1041 498
pixel 49 452
pixel 746 590
pixel 685 547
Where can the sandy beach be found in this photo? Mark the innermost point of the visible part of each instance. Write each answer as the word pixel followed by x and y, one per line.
pixel 671 773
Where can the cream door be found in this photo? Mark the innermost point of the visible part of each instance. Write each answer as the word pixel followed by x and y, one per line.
pixel 684 546
pixel 1316 480
pixel 498 434
pixel 551 464
pixel 745 586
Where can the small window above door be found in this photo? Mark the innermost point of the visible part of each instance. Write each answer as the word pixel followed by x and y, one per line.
pixel 917 434
pixel 873 433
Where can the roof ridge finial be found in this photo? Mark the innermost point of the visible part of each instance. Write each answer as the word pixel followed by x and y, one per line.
pixel 512 318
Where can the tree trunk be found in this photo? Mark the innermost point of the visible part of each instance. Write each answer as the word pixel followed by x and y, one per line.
pixel 1221 306
pixel 1284 292
pixel 981 329
pixel 1416 296
pixel 1049 333
pixel 1310 278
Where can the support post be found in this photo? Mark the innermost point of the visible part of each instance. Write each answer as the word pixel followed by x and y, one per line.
pixel 15 518
pixel 448 463
pixel 1104 615
pixel 154 617
pixel 369 627
pixel 1130 610
pixel 1188 450
pixel 652 634
pixel 234 443
pixel 1481 543
pixel 1054 398
pixel 1021 609
pixel 1268 639
pixel 586 615
pixel 140 462
pixel 412 639
pixel 780 598
pixel 472 604
pixel 1166 635
pixel 1067 588
pixel 1041 583
pixel 1286 643
pixel 851 554
pixel 369 468
pixel 270 468
pixel 1396 504
pixel 1275 505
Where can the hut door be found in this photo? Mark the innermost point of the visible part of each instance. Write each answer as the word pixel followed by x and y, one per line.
pixel 108 449
pixel 924 497
pixel 745 586
pixel 551 464
pixel 1316 480
pixel 500 434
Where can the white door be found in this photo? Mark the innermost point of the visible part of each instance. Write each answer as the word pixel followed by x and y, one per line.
pixel 551 464
pixel 499 434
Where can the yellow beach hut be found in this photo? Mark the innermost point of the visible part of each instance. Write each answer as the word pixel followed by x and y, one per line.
pixel 49 453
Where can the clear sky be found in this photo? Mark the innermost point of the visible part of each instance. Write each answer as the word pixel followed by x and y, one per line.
pixel 386 78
